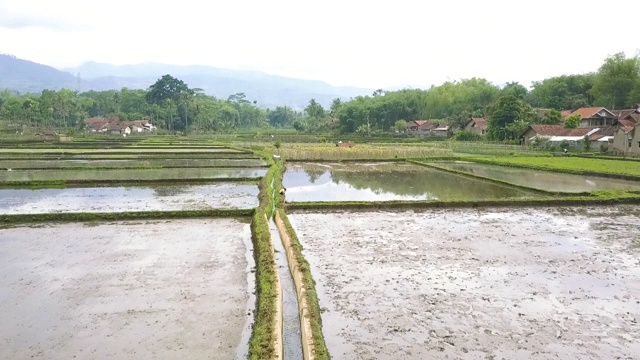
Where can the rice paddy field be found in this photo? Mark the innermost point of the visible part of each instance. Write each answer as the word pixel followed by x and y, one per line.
pixel 403 250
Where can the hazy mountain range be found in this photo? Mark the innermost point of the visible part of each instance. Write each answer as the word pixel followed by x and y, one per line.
pixel 268 90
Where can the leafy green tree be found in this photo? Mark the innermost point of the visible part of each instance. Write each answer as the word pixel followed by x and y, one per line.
pixel 315 110
pixel 168 91
pixel 551 117
pixel 616 81
pixel 401 126
pixel 336 104
pixel 507 116
pixel 566 92
pixel 515 89
pixel 465 135
pixel 281 117
pixel 572 121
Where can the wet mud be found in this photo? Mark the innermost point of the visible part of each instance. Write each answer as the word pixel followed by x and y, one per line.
pixel 477 284
pixel 131 198
pixel 139 290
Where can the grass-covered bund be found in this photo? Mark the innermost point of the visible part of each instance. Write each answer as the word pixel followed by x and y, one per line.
pixel 262 341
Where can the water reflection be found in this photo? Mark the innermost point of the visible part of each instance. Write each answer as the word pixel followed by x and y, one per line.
pixel 386 181
pixel 546 180
pixel 138 198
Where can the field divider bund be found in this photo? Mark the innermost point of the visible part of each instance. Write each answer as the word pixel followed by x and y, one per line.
pixel 151 167
pixel 119 216
pixel 112 182
pixel 436 204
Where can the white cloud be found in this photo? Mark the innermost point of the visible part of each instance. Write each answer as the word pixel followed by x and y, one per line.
pixel 376 45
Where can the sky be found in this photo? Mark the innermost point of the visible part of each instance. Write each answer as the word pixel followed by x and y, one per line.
pixel 371 44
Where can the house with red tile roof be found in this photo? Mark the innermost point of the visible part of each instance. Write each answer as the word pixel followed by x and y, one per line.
pixel 595 116
pixel 477 126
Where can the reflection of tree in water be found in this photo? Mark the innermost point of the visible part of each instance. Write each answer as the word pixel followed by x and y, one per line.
pixel 168 190
pixel 314 174
pixel 415 183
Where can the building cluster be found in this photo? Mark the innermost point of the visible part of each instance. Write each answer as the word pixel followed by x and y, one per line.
pixel 616 131
pixel 115 126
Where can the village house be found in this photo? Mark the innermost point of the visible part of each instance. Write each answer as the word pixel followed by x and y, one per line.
pixel 595 116
pixel 598 136
pixel 625 140
pixel 477 126
pixel 613 130
pixel 427 128
pixel 116 127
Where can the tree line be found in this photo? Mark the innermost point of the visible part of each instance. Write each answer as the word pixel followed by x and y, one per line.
pixel 170 104
pixel 510 109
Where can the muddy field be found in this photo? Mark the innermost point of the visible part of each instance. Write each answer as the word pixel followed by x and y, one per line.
pixel 477 284
pixel 130 198
pixel 143 290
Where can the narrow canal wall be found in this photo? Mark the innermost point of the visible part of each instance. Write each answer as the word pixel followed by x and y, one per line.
pixel 305 325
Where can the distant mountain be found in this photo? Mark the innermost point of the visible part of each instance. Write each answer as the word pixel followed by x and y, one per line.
pixel 267 90
pixel 27 76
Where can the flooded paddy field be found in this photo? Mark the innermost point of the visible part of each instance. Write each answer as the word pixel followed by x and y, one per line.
pixel 546 180
pixel 477 283
pixel 121 163
pixel 140 290
pixel 86 151
pixel 110 175
pixel 139 155
pixel 386 181
pixel 130 198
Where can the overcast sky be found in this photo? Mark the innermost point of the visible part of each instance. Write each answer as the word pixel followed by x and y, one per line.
pixel 359 43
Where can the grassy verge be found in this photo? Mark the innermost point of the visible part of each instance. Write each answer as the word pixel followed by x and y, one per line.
pixel 501 182
pixel 313 306
pixel 262 342
pixel 595 198
pixel 59 184
pixel 132 215
pixel 618 169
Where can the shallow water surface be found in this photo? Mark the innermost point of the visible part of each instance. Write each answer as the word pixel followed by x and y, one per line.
pixel 134 198
pixel 386 181
pixel 545 180
pixel 129 174
pixel 120 163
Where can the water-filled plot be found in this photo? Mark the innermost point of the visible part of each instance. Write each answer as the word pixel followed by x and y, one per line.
pixel 170 197
pixel 111 175
pixel 545 180
pixel 122 163
pixel 386 181
pixel 179 289
pixel 477 283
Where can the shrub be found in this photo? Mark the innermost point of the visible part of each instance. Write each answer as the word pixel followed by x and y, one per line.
pixel 466 135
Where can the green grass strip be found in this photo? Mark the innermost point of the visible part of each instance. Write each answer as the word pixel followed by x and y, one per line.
pixel 313 305
pixel 262 341
pixel 59 184
pixel 596 198
pixel 132 215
